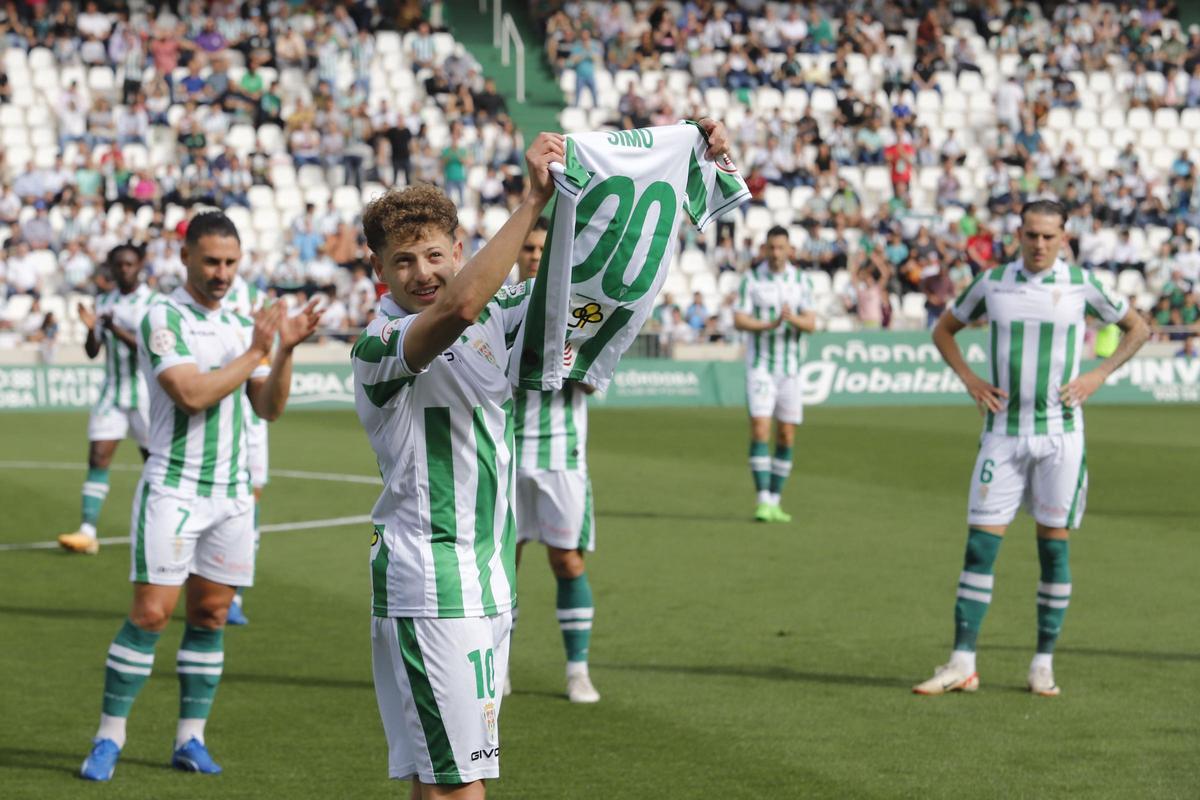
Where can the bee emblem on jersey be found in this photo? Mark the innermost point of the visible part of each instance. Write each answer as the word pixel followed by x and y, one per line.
pixel 162 341
pixel 585 314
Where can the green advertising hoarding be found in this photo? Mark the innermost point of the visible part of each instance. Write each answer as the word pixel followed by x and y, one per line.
pixel 842 369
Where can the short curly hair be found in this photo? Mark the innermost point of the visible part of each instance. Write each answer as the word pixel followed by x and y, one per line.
pixel 405 215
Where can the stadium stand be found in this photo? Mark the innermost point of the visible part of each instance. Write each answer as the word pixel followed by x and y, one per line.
pixel 894 140
pixel 898 141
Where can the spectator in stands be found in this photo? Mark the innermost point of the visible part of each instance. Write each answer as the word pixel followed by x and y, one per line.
pixel 663 312
pixel 585 57
pixel 39 233
pixel 697 315
pixel 22 276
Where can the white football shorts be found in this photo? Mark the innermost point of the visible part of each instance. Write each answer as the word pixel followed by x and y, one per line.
pixel 175 535
pixel 439 683
pixel 554 507
pixel 1046 474
pixel 774 396
pixel 111 424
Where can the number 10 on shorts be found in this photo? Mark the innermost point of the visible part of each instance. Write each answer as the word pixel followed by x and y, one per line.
pixel 485 672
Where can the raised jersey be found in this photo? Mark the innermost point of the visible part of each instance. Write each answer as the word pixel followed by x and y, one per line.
pixel 445 537
pixel 1036 323
pixel 764 294
pixel 551 428
pixel 202 454
pixel 621 196
pixel 124 385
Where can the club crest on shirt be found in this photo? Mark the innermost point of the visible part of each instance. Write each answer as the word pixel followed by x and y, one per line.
pixel 1055 296
pixel 162 341
pixel 983 492
pixel 489 719
pixel 385 335
pixel 482 347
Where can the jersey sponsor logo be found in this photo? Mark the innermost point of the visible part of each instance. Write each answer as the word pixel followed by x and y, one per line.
pixel 588 313
pixel 385 335
pixel 162 341
pixel 640 137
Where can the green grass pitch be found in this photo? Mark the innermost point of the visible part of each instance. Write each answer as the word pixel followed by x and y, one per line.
pixel 735 660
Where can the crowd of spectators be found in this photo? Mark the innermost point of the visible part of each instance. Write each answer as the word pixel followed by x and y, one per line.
pixel 897 139
pixel 120 120
pixel 965 110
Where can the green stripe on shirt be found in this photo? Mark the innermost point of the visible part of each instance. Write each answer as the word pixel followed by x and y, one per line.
pixel 443 518
pixel 1016 353
pixel 1041 397
pixel 485 509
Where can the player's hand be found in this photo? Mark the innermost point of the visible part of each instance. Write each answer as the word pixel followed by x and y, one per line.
pixel 718 137
pixel 266 325
pixel 986 397
pixel 1076 393
pixel 296 328
pixel 546 149
pixel 86 316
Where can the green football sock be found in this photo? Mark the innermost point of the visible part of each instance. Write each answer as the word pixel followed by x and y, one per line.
pixel 760 465
pixel 95 490
pixel 200 660
pixel 130 659
pixel 1054 591
pixel 781 467
pixel 975 587
pixel 574 610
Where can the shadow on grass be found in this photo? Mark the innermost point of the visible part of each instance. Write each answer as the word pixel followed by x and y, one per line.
pixel 1136 655
pixel 64 613
pixel 55 761
pixel 312 682
pixel 765 673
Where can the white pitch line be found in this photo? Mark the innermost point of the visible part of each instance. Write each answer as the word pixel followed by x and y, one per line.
pixel 279 527
pixel 338 477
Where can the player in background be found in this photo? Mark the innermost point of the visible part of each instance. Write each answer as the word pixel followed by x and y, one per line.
pixel 120 410
pixel 554 495
pixel 1032 449
pixel 193 517
pixel 774 308
pixel 246 299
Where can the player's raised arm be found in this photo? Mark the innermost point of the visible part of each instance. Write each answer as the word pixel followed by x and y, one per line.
pixel 94 330
pixel 459 302
pixel 269 395
pixel 987 397
pixel 1135 334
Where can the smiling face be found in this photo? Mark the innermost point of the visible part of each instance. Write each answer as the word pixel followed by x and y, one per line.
pixel 417 271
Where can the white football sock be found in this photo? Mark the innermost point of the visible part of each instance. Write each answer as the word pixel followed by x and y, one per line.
pixel 188 728
pixel 88 529
pixel 576 668
pixel 764 496
pixel 964 659
pixel 112 728
pixel 1042 660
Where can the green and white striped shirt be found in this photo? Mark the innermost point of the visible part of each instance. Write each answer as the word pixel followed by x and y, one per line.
pixel 1037 324
pixel 244 298
pixel 201 454
pixel 552 429
pixel 763 295
pixel 124 385
pixel 445 537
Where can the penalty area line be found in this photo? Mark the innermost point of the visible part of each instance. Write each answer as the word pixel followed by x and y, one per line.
pixel 278 527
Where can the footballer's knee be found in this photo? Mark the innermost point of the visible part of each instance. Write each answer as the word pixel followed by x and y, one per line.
pixel 565 563
pixel 208 613
pixel 785 434
pixel 150 616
